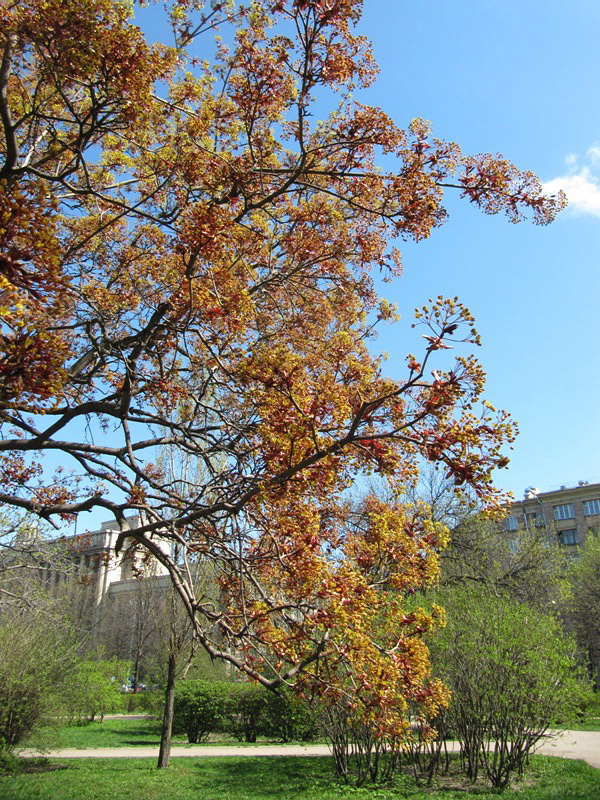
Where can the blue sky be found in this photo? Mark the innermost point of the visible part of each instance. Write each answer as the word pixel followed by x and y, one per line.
pixel 521 79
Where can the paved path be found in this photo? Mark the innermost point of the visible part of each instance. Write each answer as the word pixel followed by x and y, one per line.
pixel 194 751
pixel 584 745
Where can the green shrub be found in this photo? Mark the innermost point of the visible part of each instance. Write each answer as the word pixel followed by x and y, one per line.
pixel 9 762
pixel 95 689
pixel 512 674
pixel 246 707
pixel 147 701
pixel 150 701
pixel 36 661
pixel 587 704
pixel 243 709
pixel 289 719
pixel 200 708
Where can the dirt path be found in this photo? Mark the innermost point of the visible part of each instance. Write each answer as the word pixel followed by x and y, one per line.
pixel 584 745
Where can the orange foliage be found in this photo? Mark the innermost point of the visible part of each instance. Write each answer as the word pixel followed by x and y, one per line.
pixel 185 261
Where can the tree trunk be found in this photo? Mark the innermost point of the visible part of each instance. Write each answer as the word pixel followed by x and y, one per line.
pixel 164 754
pixel 136 671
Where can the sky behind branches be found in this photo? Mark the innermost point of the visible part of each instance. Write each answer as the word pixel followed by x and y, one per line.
pixel 520 79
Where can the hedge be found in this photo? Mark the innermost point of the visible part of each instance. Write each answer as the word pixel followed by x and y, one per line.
pixel 242 709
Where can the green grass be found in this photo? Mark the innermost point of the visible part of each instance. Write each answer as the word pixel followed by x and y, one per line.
pixel 146 732
pixel 110 733
pixel 115 733
pixel 267 779
pixel 589 724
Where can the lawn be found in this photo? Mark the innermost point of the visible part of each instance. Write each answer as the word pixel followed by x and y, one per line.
pixel 146 732
pixel 116 733
pixel 589 724
pixel 110 733
pixel 268 779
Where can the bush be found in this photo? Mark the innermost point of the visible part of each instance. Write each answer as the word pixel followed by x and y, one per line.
pixel 95 689
pixel 150 701
pixel 36 662
pixel 361 753
pixel 243 709
pixel 290 719
pixel 200 708
pixel 246 710
pixel 253 710
pixel 587 704
pixel 512 674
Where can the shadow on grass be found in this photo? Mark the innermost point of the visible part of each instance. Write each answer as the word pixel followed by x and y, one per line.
pixel 287 776
pixel 553 779
pixel 141 742
pixel 273 778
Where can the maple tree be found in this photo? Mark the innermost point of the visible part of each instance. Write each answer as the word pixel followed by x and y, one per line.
pixel 185 257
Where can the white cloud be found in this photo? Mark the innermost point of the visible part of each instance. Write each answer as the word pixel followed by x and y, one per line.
pixel 581 184
pixel 594 154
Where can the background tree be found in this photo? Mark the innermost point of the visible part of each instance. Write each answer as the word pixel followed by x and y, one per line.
pixel 448 503
pixel 176 650
pixel 129 626
pixel 582 607
pixel 527 564
pixel 178 230
pixel 31 563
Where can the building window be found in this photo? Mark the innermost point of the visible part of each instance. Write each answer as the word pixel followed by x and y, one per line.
pixel 564 512
pixel 511 523
pixel 568 536
pixel 534 519
pixel 591 507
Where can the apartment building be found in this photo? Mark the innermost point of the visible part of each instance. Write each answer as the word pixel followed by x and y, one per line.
pixel 569 513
